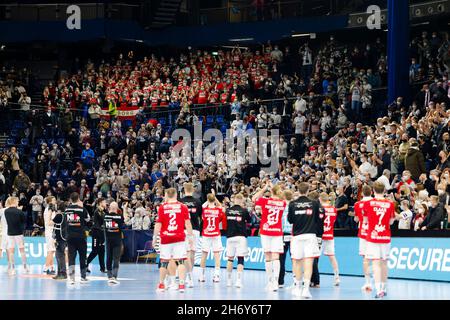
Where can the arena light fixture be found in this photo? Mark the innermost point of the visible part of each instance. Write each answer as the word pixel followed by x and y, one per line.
pixel 241 39
pixel 297 35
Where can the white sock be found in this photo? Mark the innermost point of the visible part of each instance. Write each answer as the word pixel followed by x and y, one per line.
pixel 269 270
pixel 239 275
pixel 189 276
pixel 296 282
pixel 171 280
pixel 378 286
pixel 336 273
pixel 306 284
pixel 229 275
pixel 367 277
pixel 216 271
pixel 383 286
pixel 203 271
pixel 276 270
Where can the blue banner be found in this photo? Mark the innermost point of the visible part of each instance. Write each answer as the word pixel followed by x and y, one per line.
pixel 410 258
pixel 36 251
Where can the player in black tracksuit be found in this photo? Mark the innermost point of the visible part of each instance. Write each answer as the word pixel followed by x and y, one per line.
pixel 76 217
pixel 98 235
pixel 315 278
pixel 304 214
pixel 113 224
pixel 236 230
pixel 195 212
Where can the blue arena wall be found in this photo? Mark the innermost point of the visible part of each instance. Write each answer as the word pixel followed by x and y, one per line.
pixel 410 258
pixel 218 34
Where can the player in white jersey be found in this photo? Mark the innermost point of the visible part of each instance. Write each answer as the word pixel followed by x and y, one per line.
pixel 4 233
pixel 49 214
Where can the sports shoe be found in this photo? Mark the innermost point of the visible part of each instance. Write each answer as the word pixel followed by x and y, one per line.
pixel 26 269
pixel 115 281
pixel 71 281
pixel 216 278
pixel 181 288
pixel 337 281
pixel 238 284
pixel 51 272
pixel 12 272
pixel 84 280
pixel 189 283
pixel 306 294
pixel 161 287
pixel 201 278
pixel 103 271
pixel 296 291
pixel 271 286
pixel 110 280
pixel 380 295
pixel 60 277
pixel 314 285
pixel 366 287
pixel 229 282
pixel 280 286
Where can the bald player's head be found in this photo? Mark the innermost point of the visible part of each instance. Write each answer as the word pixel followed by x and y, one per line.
pixel 113 207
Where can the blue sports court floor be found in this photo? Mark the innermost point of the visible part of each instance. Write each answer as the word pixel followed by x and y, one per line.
pixel 138 282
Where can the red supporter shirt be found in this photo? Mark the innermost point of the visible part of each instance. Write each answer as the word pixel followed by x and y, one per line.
pixel 172 216
pixel 271 216
pixel 362 218
pixel 328 222
pixel 212 217
pixel 379 213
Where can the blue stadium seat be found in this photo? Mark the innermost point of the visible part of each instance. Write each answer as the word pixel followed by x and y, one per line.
pixel 61 141
pixel 10 142
pixel 162 121
pixel 209 119
pixel 50 142
pixel 40 141
pixel 220 119
pixel 24 142
pixel 127 123
pixel 14 133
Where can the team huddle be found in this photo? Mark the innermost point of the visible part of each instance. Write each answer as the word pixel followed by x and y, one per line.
pixel 301 222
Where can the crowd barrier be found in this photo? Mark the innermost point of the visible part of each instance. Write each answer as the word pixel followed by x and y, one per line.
pixel 417 258
pixel 414 258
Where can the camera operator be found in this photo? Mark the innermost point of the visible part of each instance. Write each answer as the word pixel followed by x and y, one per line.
pixel 98 236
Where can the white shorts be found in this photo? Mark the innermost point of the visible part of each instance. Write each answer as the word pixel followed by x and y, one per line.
pixel 14 241
pixel 212 243
pixel 304 246
pixel 193 246
pixel 176 251
pixel 273 244
pixel 362 247
pixel 237 247
pixel 377 251
pixel 50 241
pixel 327 247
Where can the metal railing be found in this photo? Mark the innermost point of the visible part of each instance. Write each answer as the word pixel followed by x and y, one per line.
pixel 57 12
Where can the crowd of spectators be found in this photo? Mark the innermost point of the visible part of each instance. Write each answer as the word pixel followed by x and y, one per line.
pixel 321 102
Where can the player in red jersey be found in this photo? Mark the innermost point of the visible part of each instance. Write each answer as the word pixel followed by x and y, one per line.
pixel 212 216
pixel 173 220
pixel 328 234
pixel 271 231
pixel 361 218
pixel 380 215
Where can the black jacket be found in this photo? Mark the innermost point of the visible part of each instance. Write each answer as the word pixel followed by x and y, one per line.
pixel 434 217
pixel 304 215
pixel 15 219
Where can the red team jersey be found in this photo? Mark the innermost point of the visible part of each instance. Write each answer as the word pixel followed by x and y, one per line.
pixel 362 218
pixel 172 216
pixel 212 217
pixel 379 213
pixel 328 222
pixel 271 216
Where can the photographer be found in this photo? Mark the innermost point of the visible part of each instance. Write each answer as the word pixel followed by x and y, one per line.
pixel 98 236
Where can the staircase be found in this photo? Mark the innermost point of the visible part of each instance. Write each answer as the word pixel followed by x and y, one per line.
pixel 165 13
